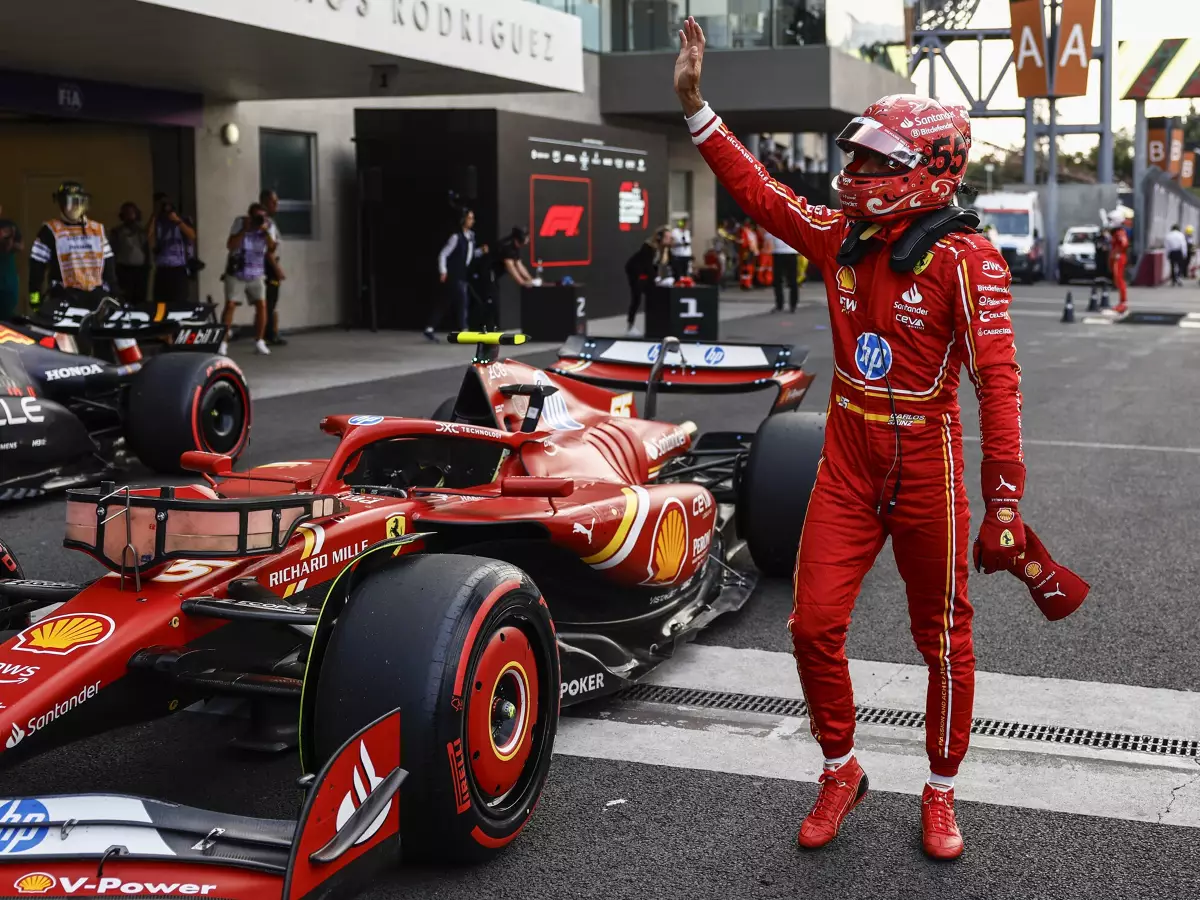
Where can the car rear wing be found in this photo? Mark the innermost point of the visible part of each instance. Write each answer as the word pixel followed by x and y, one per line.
pixel 720 367
pixel 97 844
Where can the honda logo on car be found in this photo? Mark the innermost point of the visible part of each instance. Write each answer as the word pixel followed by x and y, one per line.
pixel 43 883
pixel 36 723
pixel 585 685
pixel 73 372
pixel 306 567
pixel 14 413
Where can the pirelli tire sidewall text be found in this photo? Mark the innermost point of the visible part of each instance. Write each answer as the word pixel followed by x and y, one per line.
pixel 187 401
pixel 775 485
pixel 422 635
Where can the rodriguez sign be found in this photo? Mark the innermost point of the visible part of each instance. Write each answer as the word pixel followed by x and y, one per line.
pixel 512 39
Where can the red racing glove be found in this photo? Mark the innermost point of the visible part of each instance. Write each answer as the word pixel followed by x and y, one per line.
pixel 1055 589
pixel 1002 535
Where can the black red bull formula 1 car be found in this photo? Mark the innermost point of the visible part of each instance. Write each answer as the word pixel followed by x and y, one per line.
pixel 82 394
pixel 426 597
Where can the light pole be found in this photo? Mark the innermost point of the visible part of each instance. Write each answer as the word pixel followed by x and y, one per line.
pixel 989 168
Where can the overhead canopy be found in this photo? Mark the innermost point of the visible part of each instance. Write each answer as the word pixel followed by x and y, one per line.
pixel 292 49
pixel 812 88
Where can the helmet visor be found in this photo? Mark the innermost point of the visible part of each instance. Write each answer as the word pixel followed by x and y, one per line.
pixel 863 133
pixel 74 206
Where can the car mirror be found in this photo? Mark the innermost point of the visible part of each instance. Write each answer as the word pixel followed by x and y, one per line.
pixel 216 464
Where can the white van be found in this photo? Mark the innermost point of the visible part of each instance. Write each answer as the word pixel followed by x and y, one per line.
pixel 1019 231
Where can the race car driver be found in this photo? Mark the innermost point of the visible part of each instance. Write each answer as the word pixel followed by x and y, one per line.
pixel 72 248
pixel 913 296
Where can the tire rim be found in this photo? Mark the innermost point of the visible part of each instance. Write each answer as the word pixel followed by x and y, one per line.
pixel 502 714
pixel 222 417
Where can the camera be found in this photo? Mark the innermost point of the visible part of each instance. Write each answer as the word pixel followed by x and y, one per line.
pixel 258 220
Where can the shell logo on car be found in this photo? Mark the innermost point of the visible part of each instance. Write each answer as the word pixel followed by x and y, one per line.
pixel 846 280
pixel 670 544
pixel 62 635
pixel 35 883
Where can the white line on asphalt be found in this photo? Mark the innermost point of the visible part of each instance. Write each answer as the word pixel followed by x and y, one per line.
pixel 1099 445
pixel 1008 772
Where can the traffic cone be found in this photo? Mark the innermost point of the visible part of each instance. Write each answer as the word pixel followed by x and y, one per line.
pixel 1104 297
pixel 1094 300
pixel 1068 310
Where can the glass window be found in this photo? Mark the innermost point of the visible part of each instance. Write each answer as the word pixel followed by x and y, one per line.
pixel 654 24
pixel 869 29
pixel 589 12
pixel 1006 221
pixel 734 23
pixel 287 166
pixel 679 194
pixel 799 23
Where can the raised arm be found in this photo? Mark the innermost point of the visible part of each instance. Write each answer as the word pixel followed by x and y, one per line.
pixel 813 230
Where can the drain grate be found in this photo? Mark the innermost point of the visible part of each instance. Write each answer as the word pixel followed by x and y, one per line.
pixel 900 718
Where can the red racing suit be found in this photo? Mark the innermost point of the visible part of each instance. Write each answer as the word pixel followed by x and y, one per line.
pixel 892 462
pixel 1119 257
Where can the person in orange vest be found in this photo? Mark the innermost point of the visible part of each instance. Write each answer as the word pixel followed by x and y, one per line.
pixel 765 266
pixel 747 252
pixel 1118 256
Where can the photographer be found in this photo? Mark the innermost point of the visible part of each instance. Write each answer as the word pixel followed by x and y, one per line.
pixel 172 243
pixel 249 244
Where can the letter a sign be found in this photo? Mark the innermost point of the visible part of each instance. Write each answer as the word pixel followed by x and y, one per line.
pixel 1029 47
pixel 1070 58
pixel 1074 48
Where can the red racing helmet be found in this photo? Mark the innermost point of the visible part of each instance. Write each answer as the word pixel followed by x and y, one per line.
pixel 925 143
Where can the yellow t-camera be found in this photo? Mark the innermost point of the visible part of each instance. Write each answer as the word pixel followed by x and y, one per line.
pixel 486 337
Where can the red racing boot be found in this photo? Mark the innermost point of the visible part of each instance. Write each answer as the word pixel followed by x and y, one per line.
pixel 939 830
pixel 842 789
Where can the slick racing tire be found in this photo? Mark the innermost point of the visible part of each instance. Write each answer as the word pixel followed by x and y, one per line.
pixel 187 401
pixel 445 410
pixel 465 648
pixel 775 486
pixel 10 568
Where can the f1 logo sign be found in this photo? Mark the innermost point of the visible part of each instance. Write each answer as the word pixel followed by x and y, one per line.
pixel 561 218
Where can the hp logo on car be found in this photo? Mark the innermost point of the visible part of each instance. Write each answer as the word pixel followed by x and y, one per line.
pixel 23 812
pixel 873 356
pixel 714 355
pixel 652 353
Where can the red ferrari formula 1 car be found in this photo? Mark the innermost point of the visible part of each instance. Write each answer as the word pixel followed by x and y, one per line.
pixel 429 596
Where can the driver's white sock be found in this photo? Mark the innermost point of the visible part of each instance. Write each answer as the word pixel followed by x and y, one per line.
pixel 838 761
pixel 941 782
